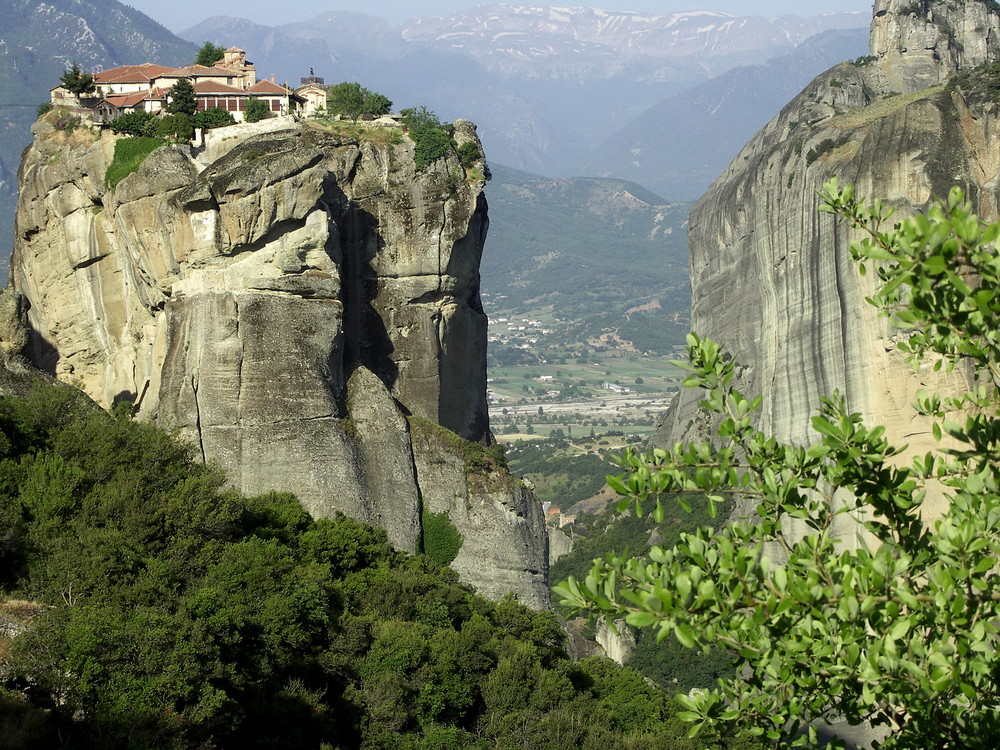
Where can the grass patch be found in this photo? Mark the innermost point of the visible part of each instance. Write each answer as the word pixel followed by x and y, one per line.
pixel 877 110
pixel 130 153
pixel 360 132
pixel 478 458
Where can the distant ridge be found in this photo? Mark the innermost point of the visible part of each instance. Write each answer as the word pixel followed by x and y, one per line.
pixel 544 85
pixel 678 146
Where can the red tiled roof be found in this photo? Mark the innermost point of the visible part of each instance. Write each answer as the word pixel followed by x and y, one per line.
pixel 266 87
pixel 202 71
pixel 208 88
pixel 132 73
pixel 130 100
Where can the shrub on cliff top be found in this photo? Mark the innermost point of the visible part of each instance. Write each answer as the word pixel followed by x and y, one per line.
pixel 432 138
pixel 137 123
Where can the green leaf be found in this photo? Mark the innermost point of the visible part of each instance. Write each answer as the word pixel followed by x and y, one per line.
pixel 685 635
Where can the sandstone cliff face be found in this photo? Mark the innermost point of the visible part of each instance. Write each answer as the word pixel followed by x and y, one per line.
pixel 772 279
pixel 920 44
pixel 284 296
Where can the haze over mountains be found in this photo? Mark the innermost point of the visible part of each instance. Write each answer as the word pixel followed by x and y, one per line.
pixel 681 144
pixel 545 85
pixel 557 92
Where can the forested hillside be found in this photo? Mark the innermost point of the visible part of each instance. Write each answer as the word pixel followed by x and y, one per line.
pixel 590 250
pixel 145 605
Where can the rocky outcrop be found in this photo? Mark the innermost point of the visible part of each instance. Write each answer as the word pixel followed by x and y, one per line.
pixel 560 544
pixel 619 643
pixel 920 44
pixel 499 520
pixel 772 278
pixel 286 296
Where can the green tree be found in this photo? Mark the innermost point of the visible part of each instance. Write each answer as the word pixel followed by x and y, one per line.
pixel 256 110
pixel 178 126
pixel 353 100
pixel 420 118
pixel 213 117
pixel 901 631
pixel 76 81
pixel 209 54
pixel 137 123
pixel 181 98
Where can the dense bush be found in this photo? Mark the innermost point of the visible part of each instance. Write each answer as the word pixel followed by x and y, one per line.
pixel 213 117
pixel 178 126
pixel 432 138
pixel 179 614
pixel 136 123
pixel 256 110
pixel 66 121
pixel 441 540
pixel 469 153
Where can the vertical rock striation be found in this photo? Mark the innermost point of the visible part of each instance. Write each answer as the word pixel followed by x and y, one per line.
pixel 289 298
pixel 772 279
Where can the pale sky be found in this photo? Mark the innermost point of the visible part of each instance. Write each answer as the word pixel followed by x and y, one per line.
pixel 178 15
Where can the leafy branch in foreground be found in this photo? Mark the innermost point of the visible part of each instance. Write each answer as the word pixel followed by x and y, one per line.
pixel 896 626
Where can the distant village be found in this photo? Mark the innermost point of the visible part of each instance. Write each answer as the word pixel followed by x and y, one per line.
pixel 526 333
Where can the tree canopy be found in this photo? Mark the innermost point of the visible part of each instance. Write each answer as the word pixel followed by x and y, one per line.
pixel 172 612
pixel 76 81
pixel 181 99
pixel 900 631
pixel 209 54
pixel 353 100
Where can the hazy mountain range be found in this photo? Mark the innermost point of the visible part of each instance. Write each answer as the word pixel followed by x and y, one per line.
pixel 547 86
pixel 659 99
pixel 681 144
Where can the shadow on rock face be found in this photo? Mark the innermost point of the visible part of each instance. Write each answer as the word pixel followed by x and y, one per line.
pixel 366 338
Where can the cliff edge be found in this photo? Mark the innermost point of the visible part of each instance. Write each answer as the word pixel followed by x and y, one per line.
pixel 772 278
pixel 293 298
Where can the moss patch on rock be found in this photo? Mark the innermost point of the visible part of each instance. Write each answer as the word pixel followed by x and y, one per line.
pixel 130 153
pixel 478 458
pixel 440 540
